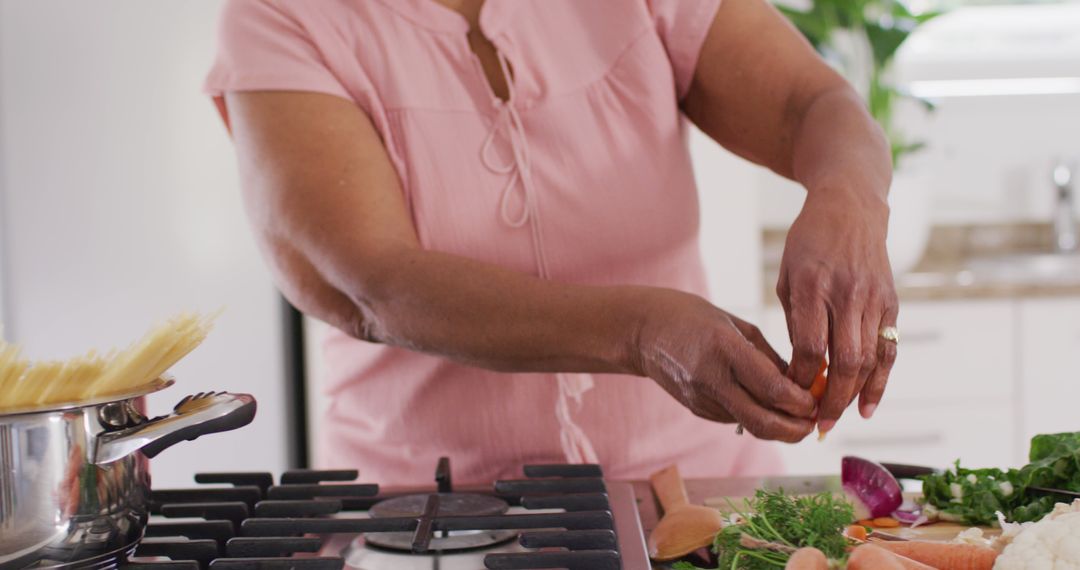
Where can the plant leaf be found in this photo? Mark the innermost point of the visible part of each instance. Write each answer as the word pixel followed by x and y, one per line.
pixel 885 41
pixel 813 26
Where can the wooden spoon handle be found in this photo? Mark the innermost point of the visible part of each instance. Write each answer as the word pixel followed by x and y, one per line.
pixel 668 486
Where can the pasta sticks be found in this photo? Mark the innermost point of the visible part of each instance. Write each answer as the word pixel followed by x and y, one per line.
pixel 26 384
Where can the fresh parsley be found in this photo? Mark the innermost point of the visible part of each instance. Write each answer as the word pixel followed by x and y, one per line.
pixel 787 521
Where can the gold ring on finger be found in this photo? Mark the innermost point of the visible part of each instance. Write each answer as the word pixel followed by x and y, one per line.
pixel 891 334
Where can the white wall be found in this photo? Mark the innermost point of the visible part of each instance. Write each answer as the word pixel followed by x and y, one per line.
pixel 729 188
pixel 121 206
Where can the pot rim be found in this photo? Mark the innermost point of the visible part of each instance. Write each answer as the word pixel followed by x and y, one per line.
pixel 150 387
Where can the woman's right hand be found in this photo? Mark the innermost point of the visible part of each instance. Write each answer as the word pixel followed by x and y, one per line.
pixel 721 368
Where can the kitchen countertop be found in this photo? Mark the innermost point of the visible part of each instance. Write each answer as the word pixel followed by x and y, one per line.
pixel 943 272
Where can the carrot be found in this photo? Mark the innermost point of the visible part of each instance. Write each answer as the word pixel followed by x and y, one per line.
pixel 855 532
pixel 807 559
pixel 865 522
pixel 885 522
pixel 945 555
pixel 817 389
pixel 873 557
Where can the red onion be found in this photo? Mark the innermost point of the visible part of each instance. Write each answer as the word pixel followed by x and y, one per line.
pixel 912 513
pixel 871 488
pixel 913 518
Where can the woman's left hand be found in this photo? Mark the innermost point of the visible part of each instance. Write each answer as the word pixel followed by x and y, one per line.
pixel 837 290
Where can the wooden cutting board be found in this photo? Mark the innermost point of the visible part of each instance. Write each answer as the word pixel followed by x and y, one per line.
pixel 941 531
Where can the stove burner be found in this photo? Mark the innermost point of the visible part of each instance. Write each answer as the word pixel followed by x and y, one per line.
pixel 454 540
pixel 561 515
pixel 450 504
pixel 446 504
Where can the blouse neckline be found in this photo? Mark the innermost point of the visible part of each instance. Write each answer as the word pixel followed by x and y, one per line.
pixel 436 17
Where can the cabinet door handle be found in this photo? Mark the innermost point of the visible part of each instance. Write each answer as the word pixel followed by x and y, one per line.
pixel 893 440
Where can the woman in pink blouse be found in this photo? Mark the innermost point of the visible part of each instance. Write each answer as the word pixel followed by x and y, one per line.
pixel 493 204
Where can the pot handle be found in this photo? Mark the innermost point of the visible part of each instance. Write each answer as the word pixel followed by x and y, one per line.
pixel 194 416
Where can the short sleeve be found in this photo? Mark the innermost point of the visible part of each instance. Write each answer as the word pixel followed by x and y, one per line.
pixel 683 26
pixel 263 46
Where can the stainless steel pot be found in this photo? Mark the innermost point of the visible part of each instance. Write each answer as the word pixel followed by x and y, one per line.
pixel 74 483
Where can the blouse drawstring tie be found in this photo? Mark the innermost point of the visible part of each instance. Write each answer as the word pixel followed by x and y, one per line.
pixel 575 443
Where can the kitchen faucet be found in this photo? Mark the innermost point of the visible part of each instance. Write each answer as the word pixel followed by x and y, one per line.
pixel 1065 231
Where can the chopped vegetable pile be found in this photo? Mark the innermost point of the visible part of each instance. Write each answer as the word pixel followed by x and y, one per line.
pixel 974 495
pixel 775 524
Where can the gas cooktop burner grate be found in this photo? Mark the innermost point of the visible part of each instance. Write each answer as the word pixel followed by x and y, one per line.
pixel 256 524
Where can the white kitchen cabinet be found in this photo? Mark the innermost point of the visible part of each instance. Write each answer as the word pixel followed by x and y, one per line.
pixel 934 434
pixel 1049 345
pixel 951 351
pixel 951 394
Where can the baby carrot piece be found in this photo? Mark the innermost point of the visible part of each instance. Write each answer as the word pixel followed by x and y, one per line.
pixel 885 522
pixel 807 559
pixel 945 555
pixel 817 389
pixel 855 532
pixel 865 522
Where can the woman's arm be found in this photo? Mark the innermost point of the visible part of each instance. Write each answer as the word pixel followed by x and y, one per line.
pixel 760 90
pixel 329 214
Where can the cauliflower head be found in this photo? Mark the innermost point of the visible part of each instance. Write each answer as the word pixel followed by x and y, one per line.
pixel 1053 543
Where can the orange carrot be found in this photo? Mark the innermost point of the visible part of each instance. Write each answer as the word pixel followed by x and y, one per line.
pixel 945 555
pixel 817 389
pixel 885 522
pixel 855 532
pixel 873 557
pixel 865 522
pixel 807 559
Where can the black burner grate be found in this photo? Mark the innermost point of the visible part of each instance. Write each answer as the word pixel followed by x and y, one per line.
pixel 255 524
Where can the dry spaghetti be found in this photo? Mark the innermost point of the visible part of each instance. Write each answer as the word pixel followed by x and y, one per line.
pixel 26 384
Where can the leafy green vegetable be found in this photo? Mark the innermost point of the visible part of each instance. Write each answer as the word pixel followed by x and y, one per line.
pixel 971 495
pixel 782 519
pixel 975 495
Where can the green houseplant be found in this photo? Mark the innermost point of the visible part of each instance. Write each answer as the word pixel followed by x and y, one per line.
pixel 861 37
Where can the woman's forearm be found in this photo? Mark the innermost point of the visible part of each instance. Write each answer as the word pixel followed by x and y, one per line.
pixel 332 219
pixel 481 314
pixel 839 149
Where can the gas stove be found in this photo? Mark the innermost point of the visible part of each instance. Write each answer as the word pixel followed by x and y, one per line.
pixel 555 516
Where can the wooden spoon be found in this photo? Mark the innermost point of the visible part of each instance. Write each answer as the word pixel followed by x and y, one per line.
pixel 684 528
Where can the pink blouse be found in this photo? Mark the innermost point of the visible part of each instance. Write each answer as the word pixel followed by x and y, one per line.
pixel 582 176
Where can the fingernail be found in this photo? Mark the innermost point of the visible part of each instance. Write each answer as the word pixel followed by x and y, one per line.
pixel 824 426
pixel 868 410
